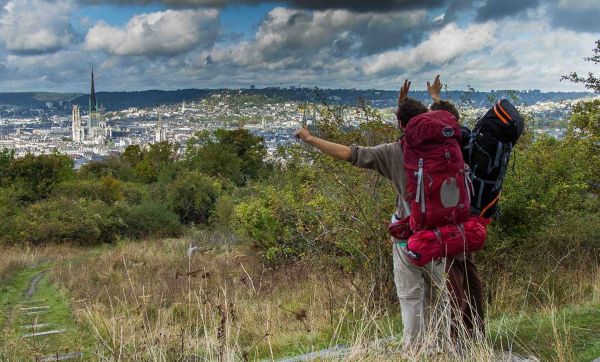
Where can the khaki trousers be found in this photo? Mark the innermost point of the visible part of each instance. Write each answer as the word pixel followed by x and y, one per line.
pixel 424 300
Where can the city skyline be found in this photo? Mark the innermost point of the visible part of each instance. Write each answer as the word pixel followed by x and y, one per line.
pixel 178 44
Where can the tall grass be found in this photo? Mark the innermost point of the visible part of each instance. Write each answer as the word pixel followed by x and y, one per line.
pixel 14 258
pixel 150 301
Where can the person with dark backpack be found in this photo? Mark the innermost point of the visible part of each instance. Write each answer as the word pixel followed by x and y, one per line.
pixel 487 151
pixel 421 287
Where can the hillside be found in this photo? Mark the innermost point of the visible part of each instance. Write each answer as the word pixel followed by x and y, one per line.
pixel 380 98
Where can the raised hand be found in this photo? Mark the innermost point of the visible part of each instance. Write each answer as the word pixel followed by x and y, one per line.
pixel 302 133
pixel 404 92
pixel 435 88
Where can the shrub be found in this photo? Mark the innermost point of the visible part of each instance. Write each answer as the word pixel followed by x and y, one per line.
pixel 36 176
pixel 59 220
pixel 107 189
pixel 150 218
pixel 192 196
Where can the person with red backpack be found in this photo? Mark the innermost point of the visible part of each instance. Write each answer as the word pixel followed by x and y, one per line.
pixel 421 285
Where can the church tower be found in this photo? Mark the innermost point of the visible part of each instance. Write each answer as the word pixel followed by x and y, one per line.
pixel 161 132
pixel 77 130
pixel 93 110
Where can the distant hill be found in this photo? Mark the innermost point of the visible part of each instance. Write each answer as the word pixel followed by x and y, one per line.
pixel 62 102
pixel 36 99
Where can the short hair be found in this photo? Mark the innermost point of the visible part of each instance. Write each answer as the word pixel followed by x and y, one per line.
pixel 442 105
pixel 409 109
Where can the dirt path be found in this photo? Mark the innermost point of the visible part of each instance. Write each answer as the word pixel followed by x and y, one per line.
pixel 31 289
pixel 39 325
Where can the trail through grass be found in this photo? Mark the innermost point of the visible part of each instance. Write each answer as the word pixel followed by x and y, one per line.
pixel 31 304
pixel 132 306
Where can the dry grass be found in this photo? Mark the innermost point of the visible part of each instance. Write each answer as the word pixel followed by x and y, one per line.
pixel 13 258
pixel 150 301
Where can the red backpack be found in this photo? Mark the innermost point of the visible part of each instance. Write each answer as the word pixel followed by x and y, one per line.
pixel 438 188
pixel 438 191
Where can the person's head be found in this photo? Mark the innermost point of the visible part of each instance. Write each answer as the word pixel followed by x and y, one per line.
pixel 445 106
pixel 409 109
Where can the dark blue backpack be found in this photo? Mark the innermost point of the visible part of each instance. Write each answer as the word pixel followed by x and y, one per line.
pixel 487 150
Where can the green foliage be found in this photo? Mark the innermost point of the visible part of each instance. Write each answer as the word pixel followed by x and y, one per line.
pixel 215 160
pixel 107 189
pixel 133 155
pixel 550 177
pixel 591 81
pixel 585 121
pixel 114 166
pixel 236 155
pixel 61 220
pixel 158 156
pixel 223 210
pixel 317 206
pixel 249 149
pixel 150 218
pixel 10 207
pixel 192 196
pixel 6 159
pixel 36 176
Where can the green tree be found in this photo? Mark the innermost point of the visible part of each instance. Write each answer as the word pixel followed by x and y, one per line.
pixel 113 166
pixel 249 148
pixel 192 196
pixel 150 218
pixel 233 154
pixel 591 81
pixel 133 154
pixel 36 176
pixel 6 158
pixel 107 189
pixel 157 157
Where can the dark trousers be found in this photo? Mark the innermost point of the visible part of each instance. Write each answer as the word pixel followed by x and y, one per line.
pixel 466 295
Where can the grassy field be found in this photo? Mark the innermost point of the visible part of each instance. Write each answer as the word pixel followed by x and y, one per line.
pixel 151 301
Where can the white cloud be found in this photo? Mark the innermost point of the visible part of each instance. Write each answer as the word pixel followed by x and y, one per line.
pixel 329 48
pixel 35 26
pixel 298 39
pixel 441 47
pixel 160 33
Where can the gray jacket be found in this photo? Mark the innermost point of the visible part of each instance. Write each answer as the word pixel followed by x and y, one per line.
pixel 388 160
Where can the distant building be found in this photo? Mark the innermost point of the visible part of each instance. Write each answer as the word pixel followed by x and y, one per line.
pixel 77 130
pixel 97 130
pixel 252 87
pixel 161 132
pixel 92 110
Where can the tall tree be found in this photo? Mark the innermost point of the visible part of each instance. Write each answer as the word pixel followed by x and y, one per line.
pixel 591 81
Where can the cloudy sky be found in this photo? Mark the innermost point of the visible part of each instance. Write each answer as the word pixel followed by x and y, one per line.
pixel 51 45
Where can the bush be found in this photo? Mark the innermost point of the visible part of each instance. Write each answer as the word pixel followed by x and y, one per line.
pixel 150 218
pixel 36 176
pixel 223 210
pixel 192 196
pixel 106 189
pixel 61 220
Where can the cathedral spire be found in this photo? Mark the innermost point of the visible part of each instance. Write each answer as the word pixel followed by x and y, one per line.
pixel 93 107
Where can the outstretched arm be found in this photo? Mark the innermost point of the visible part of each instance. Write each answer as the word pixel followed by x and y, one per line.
pixel 435 88
pixel 335 150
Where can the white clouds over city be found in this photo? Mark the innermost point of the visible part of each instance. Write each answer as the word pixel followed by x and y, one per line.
pixel 45 44
pixel 35 26
pixel 161 33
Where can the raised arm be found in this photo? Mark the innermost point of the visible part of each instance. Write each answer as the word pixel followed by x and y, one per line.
pixel 435 89
pixel 335 150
